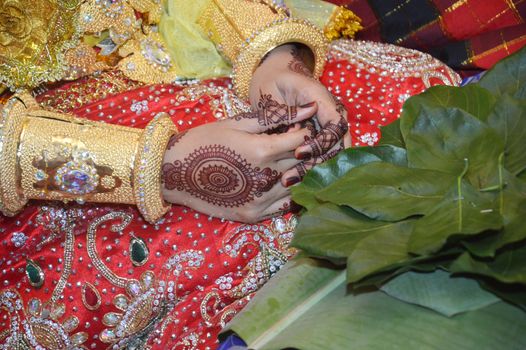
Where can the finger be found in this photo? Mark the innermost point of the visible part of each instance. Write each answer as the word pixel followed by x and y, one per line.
pixel 325 140
pixel 282 146
pixel 272 114
pixel 347 140
pixel 288 163
pixel 278 208
pixel 295 174
pixel 331 115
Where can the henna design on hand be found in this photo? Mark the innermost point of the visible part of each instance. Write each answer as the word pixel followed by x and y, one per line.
pixel 327 137
pixel 220 176
pixel 304 166
pixel 270 112
pixel 297 65
pixel 175 139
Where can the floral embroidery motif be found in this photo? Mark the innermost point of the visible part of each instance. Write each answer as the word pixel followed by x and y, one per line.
pixel 145 304
pixel 38 326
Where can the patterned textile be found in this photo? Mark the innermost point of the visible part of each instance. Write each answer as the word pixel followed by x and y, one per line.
pixel 465 34
pixel 100 277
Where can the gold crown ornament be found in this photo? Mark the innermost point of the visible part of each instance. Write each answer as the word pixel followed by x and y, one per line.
pixel 245 31
pixel 53 156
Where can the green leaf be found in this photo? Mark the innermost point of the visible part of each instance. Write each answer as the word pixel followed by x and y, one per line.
pixel 340 232
pixel 440 292
pixel 391 135
pixel 507 76
pixel 471 98
pixel 306 306
pixel 440 260
pixel 513 293
pixel 388 192
pixel 509 120
pixel 507 267
pixel 325 174
pixel 445 140
pixel 463 211
pixel 512 205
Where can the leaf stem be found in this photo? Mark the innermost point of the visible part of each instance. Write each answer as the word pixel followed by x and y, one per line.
pixel 501 184
pixel 459 193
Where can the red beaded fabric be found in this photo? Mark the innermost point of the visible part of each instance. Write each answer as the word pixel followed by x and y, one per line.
pixel 97 277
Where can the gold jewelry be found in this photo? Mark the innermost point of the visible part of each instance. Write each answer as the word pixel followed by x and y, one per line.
pixel 34 36
pixel 343 23
pixel 245 38
pixel 47 155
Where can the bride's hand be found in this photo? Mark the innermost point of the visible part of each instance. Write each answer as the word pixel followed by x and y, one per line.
pixel 232 169
pixel 284 76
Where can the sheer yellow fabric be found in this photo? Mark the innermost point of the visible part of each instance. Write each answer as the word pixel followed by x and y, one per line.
pixel 316 11
pixel 194 55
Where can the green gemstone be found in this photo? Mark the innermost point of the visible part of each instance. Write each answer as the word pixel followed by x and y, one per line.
pixel 34 273
pixel 138 251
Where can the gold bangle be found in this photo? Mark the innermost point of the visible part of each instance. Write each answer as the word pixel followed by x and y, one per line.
pixel 282 31
pixel 148 165
pixel 47 155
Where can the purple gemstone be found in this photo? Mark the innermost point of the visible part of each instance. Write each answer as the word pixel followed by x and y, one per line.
pixel 77 181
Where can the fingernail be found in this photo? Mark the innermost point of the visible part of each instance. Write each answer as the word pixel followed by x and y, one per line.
pixel 291 181
pixel 303 155
pixel 307 105
pixel 295 208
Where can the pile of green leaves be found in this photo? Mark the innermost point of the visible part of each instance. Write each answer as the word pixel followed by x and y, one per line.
pixel 435 217
pixel 443 190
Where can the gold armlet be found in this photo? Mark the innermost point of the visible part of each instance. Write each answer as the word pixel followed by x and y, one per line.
pixel 52 156
pixel 286 30
pixel 245 31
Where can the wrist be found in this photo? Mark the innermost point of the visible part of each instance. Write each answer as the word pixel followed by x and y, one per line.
pixel 172 190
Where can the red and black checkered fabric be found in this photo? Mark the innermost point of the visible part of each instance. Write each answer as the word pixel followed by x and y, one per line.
pixel 465 34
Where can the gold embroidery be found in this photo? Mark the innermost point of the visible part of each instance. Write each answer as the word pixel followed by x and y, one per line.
pixel 204 306
pixel 68 263
pixel 92 248
pixel 43 328
pixel 271 242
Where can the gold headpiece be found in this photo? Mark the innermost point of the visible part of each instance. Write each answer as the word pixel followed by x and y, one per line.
pixel 47 155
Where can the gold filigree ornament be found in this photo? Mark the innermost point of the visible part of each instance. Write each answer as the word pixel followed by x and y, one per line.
pixel 117 16
pixel 82 60
pixel 38 326
pixel 147 60
pixel 34 35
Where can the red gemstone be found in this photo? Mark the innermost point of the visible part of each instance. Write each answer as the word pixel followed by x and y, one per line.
pixel 90 296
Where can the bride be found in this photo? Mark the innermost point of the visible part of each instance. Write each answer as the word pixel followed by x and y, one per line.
pixel 146 196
